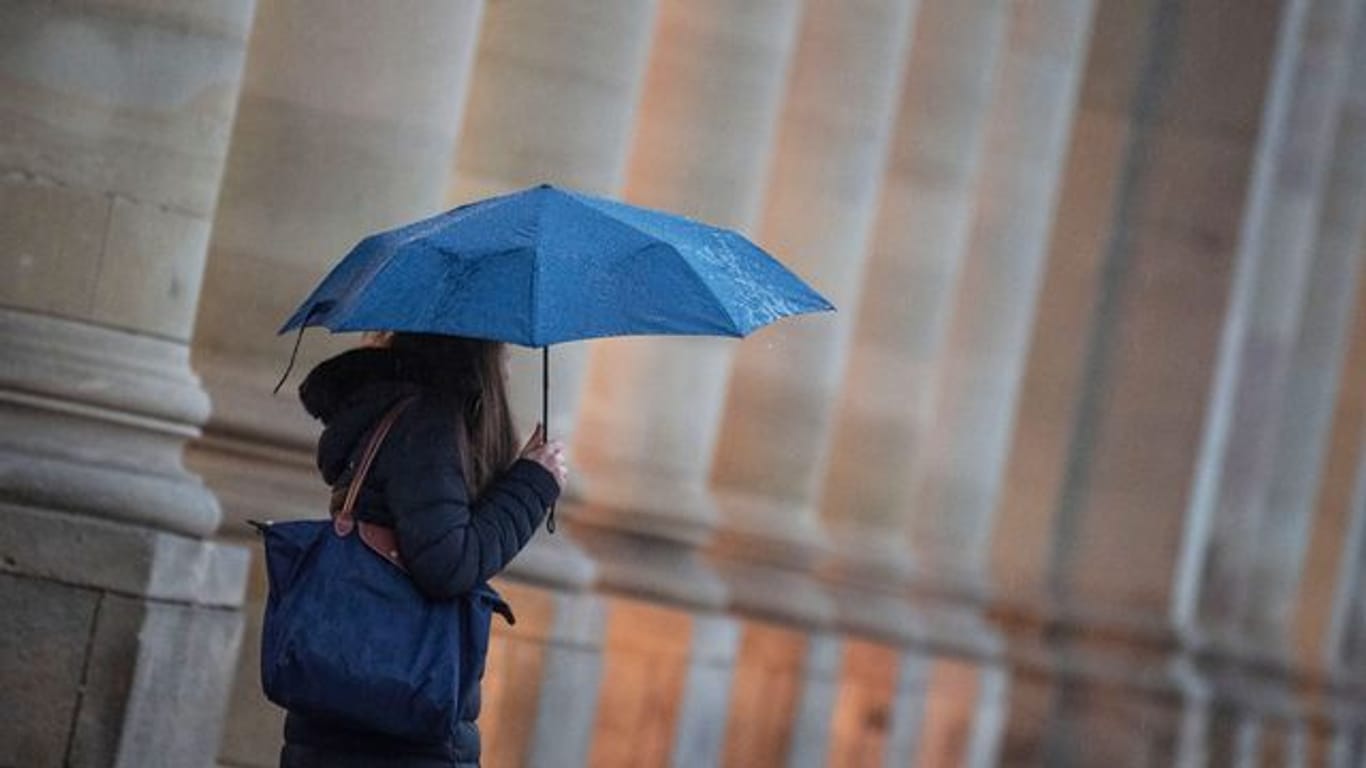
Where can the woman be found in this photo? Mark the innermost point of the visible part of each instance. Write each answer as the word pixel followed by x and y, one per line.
pixel 448 479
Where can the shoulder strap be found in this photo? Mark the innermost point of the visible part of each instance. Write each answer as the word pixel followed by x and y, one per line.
pixel 345 520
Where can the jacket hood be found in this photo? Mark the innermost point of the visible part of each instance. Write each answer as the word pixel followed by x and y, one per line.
pixel 350 392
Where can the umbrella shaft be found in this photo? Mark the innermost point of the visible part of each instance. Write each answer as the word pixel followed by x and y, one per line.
pixel 545 418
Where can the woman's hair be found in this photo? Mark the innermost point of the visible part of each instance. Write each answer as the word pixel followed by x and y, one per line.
pixel 471 371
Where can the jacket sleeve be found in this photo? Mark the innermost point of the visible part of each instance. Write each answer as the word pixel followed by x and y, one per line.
pixel 448 544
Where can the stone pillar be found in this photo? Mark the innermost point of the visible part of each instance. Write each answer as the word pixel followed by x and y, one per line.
pixel 1096 642
pixel 973 362
pixel 122 623
pixel 957 476
pixel 553 100
pixel 348 121
pixel 348 124
pixel 919 241
pixel 653 408
pixel 817 219
pixel 1314 384
pixel 1274 387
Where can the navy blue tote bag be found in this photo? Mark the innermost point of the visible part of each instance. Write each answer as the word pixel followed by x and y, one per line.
pixel 347 635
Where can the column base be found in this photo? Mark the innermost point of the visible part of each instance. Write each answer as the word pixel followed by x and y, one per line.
pixel 554 560
pixel 94 421
pixel 774 593
pixel 869 577
pixel 767 552
pixel 635 564
pixel 1095 688
pixel 121 645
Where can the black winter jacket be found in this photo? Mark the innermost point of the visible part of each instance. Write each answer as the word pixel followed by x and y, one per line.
pixel 449 544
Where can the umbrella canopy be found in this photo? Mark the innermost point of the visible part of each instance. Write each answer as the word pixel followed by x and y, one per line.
pixel 548 265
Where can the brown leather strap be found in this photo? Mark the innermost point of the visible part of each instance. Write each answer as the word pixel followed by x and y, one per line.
pixel 345 520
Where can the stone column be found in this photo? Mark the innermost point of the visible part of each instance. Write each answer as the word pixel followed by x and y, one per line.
pixel 1316 369
pixel 1095 650
pixel 919 241
pixel 122 623
pixel 817 219
pixel 553 100
pixel 956 478
pixel 1274 387
pixel 653 408
pixel 348 124
pixel 827 167
pixel 1270 399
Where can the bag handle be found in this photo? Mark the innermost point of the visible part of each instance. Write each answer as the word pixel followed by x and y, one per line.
pixel 345 520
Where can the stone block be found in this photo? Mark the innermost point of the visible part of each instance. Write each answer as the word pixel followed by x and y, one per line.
pixel 102 555
pixel 50 249
pixel 42 664
pixel 107 102
pixel 157 687
pixel 150 270
pixel 124 644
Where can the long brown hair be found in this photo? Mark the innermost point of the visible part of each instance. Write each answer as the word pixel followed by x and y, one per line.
pixel 472 373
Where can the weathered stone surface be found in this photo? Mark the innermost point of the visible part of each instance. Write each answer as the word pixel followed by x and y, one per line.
pixel 118 558
pixel 50 232
pixel 104 679
pixel 42 666
pixel 707 117
pixel 139 287
pixel 160 674
pixel 129 105
pixel 818 216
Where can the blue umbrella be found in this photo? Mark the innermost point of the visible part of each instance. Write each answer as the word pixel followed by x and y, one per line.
pixel 547 265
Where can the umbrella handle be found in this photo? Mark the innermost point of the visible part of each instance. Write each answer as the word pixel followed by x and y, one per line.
pixel 545 418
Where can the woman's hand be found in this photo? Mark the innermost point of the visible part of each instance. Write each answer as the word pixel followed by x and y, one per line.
pixel 547 453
